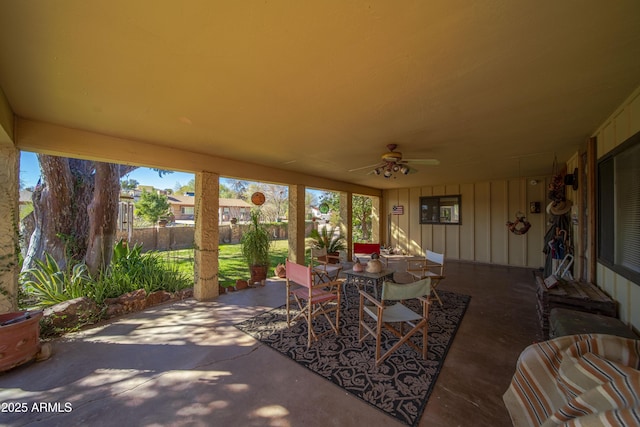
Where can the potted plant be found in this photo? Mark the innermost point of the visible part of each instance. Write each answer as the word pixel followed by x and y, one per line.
pixel 19 330
pixel 20 338
pixel 255 245
pixel 330 238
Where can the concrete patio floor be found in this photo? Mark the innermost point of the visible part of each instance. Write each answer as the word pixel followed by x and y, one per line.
pixel 185 364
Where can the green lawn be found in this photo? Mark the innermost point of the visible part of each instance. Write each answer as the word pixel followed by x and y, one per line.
pixel 232 266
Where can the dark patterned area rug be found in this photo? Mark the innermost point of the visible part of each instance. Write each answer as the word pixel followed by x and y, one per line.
pixel 400 386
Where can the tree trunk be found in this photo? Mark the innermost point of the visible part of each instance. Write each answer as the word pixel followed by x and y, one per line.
pixel 103 214
pixel 76 209
pixel 52 207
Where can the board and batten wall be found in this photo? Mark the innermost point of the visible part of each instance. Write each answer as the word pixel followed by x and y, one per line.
pixel 483 235
pixel 621 125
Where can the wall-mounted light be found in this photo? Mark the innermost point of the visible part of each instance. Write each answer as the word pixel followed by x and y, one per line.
pixel 572 179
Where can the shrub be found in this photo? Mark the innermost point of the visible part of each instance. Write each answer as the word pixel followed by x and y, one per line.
pixel 50 285
pixel 152 206
pixel 131 270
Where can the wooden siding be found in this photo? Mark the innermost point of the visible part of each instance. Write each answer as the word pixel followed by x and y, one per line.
pixel 622 124
pixel 483 235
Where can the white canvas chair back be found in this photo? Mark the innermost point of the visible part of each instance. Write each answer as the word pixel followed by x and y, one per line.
pixel 435 258
pixel 431 266
pixel 402 291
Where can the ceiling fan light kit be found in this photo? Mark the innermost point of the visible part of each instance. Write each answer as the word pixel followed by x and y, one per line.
pixel 392 163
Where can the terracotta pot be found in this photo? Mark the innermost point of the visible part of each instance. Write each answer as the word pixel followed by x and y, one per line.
pixel 19 341
pixel 281 271
pixel 258 273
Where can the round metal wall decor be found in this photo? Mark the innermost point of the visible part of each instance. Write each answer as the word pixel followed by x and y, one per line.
pixel 257 198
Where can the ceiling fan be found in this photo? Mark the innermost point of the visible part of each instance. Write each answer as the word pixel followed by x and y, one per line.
pixel 392 163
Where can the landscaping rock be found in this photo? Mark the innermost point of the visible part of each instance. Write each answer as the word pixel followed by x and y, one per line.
pixel 114 310
pixel 184 294
pixel 133 301
pixel 158 297
pixel 127 303
pixel 69 314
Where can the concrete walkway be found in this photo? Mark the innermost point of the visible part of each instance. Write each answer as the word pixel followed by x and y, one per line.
pixel 182 364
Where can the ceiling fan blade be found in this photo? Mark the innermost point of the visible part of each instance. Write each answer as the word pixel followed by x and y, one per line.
pixel 364 167
pixel 412 171
pixel 431 162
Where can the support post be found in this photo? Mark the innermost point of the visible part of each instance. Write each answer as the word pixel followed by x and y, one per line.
pixel 375 220
pixel 346 221
pixel 9 211
pixel 206 266
pixel 296 223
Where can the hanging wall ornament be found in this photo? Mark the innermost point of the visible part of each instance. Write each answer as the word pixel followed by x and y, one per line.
pixel 520 225
pixel 556 186
pixel 257 198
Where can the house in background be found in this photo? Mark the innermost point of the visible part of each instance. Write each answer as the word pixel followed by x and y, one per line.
pixel 316 213
pixel 183 209
pixel 233 208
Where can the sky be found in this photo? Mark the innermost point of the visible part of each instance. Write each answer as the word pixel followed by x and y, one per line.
pixel 30 173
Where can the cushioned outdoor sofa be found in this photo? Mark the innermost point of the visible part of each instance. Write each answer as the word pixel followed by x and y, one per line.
pixel 577 380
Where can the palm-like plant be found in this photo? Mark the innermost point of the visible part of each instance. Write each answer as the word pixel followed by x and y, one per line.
pixel 330 238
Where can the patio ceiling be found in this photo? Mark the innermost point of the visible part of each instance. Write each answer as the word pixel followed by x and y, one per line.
pixel 493 89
